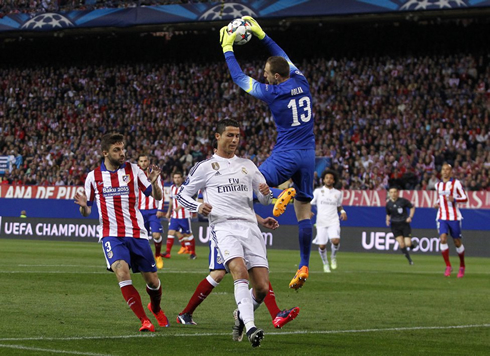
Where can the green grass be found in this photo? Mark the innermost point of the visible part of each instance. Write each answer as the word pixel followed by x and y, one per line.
pixel 56 298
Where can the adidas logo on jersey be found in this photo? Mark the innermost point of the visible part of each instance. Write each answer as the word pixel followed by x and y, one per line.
pixel 217 174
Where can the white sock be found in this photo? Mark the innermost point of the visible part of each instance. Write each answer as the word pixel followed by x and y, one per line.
pixel 254 301
pixel 460 249
pixel 334 250
pixel 323 255
pixel 244 303
pixel 444 247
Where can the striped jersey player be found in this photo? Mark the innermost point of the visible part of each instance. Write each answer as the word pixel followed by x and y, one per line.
pixel 451 194
pixel 115 186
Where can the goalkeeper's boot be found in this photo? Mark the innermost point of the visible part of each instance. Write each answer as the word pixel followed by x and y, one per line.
pixel 160 316
pixel 299 278
pixel 146 325
pixel 283 200
pixel 159 262
pixel 237 334
pixel 284 317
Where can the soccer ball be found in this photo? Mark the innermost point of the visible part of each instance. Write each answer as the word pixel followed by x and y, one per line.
pixel 242 30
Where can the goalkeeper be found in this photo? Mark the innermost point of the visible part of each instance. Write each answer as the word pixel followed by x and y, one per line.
pixel 287 93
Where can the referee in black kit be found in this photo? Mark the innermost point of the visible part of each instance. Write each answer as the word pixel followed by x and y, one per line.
pixel 396 214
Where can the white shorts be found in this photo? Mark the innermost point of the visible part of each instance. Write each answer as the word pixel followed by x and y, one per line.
pixel 324 233
pixel 235 238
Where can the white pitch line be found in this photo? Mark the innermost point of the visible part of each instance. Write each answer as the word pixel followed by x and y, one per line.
pixel 227 334
pixel 20 347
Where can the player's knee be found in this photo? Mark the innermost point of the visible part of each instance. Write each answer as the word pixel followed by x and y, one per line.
pixel 217 275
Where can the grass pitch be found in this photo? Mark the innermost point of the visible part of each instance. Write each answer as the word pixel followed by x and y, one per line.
pixel 57 298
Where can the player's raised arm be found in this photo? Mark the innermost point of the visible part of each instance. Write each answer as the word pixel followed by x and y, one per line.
pixel 272 46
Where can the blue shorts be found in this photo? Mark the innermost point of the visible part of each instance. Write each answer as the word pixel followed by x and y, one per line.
pixel 215 260
pixel 136 252
pixel 182 225
pixel 450 227
pixel 298 165
pixel 152 223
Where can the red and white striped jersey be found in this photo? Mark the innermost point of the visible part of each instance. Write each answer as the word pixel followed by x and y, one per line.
pixel 178 212
pixel 449 210
pixel 116 194
pixel 148 202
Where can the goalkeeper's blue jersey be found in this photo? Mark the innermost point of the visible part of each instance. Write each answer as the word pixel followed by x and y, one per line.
pixel 290 102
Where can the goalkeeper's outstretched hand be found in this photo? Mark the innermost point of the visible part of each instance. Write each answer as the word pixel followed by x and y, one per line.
pixel 226 39
pixel 254 27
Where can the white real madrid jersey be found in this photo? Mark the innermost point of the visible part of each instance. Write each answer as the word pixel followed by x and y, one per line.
pixel 227 184
pixel 327 202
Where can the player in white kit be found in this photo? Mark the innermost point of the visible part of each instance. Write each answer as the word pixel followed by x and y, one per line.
pixel 227 183
pixel 328 201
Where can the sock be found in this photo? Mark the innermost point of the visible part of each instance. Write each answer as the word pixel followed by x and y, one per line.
pixel 445 254
pixel 305 237
pixel 202 291
pixel 323 255
pixel 255 303
pixel 132 297
pixel 192 245
pixel 335 248
pixel 170 243
pixel 158 246
pixel 155 296
pixel 405 252
pixel 244 303
pixel 270 302
pixel 460 251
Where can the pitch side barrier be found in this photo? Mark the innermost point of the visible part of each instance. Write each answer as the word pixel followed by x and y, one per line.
pixel 354 239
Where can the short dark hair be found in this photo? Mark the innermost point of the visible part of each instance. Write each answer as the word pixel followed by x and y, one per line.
pixel 394 187
pixel 223 124
pixel 279 65
pixel 179 173
pixel 143 155
pixel 332 172
pixel 110 139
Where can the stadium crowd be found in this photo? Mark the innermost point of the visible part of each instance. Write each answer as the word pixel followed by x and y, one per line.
pixel 379 121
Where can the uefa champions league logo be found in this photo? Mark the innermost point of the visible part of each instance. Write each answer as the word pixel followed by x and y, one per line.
pixel 49 21
pixel 227 11
pixel 403 5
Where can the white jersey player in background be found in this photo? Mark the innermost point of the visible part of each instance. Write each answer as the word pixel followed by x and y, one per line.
pixel 328 201
pixel 227 183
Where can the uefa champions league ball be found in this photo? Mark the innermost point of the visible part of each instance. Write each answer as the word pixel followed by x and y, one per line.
pixel 242 30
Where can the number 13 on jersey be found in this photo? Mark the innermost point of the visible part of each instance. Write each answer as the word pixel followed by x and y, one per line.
pixel 304 104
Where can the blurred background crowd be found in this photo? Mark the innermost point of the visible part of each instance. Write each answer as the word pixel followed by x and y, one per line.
pixel 386 113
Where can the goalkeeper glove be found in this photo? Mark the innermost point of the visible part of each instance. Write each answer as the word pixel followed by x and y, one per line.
pixel 226 39
pixel 254 27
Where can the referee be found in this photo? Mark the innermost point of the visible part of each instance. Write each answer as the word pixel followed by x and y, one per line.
pixel 396 214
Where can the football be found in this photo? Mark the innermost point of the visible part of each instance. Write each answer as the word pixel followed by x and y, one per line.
pixel 242 30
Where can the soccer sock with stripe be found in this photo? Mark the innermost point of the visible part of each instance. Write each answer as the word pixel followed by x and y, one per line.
pixel 244 303
pixel 335 248
pixel 170 243
pixel 270 302
pixel 305 237
pixel 460 251
pixel 445 254
pixel 132 297
pixel 202 291
pixel 155 296
pixel 158 245
pixel 323 255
